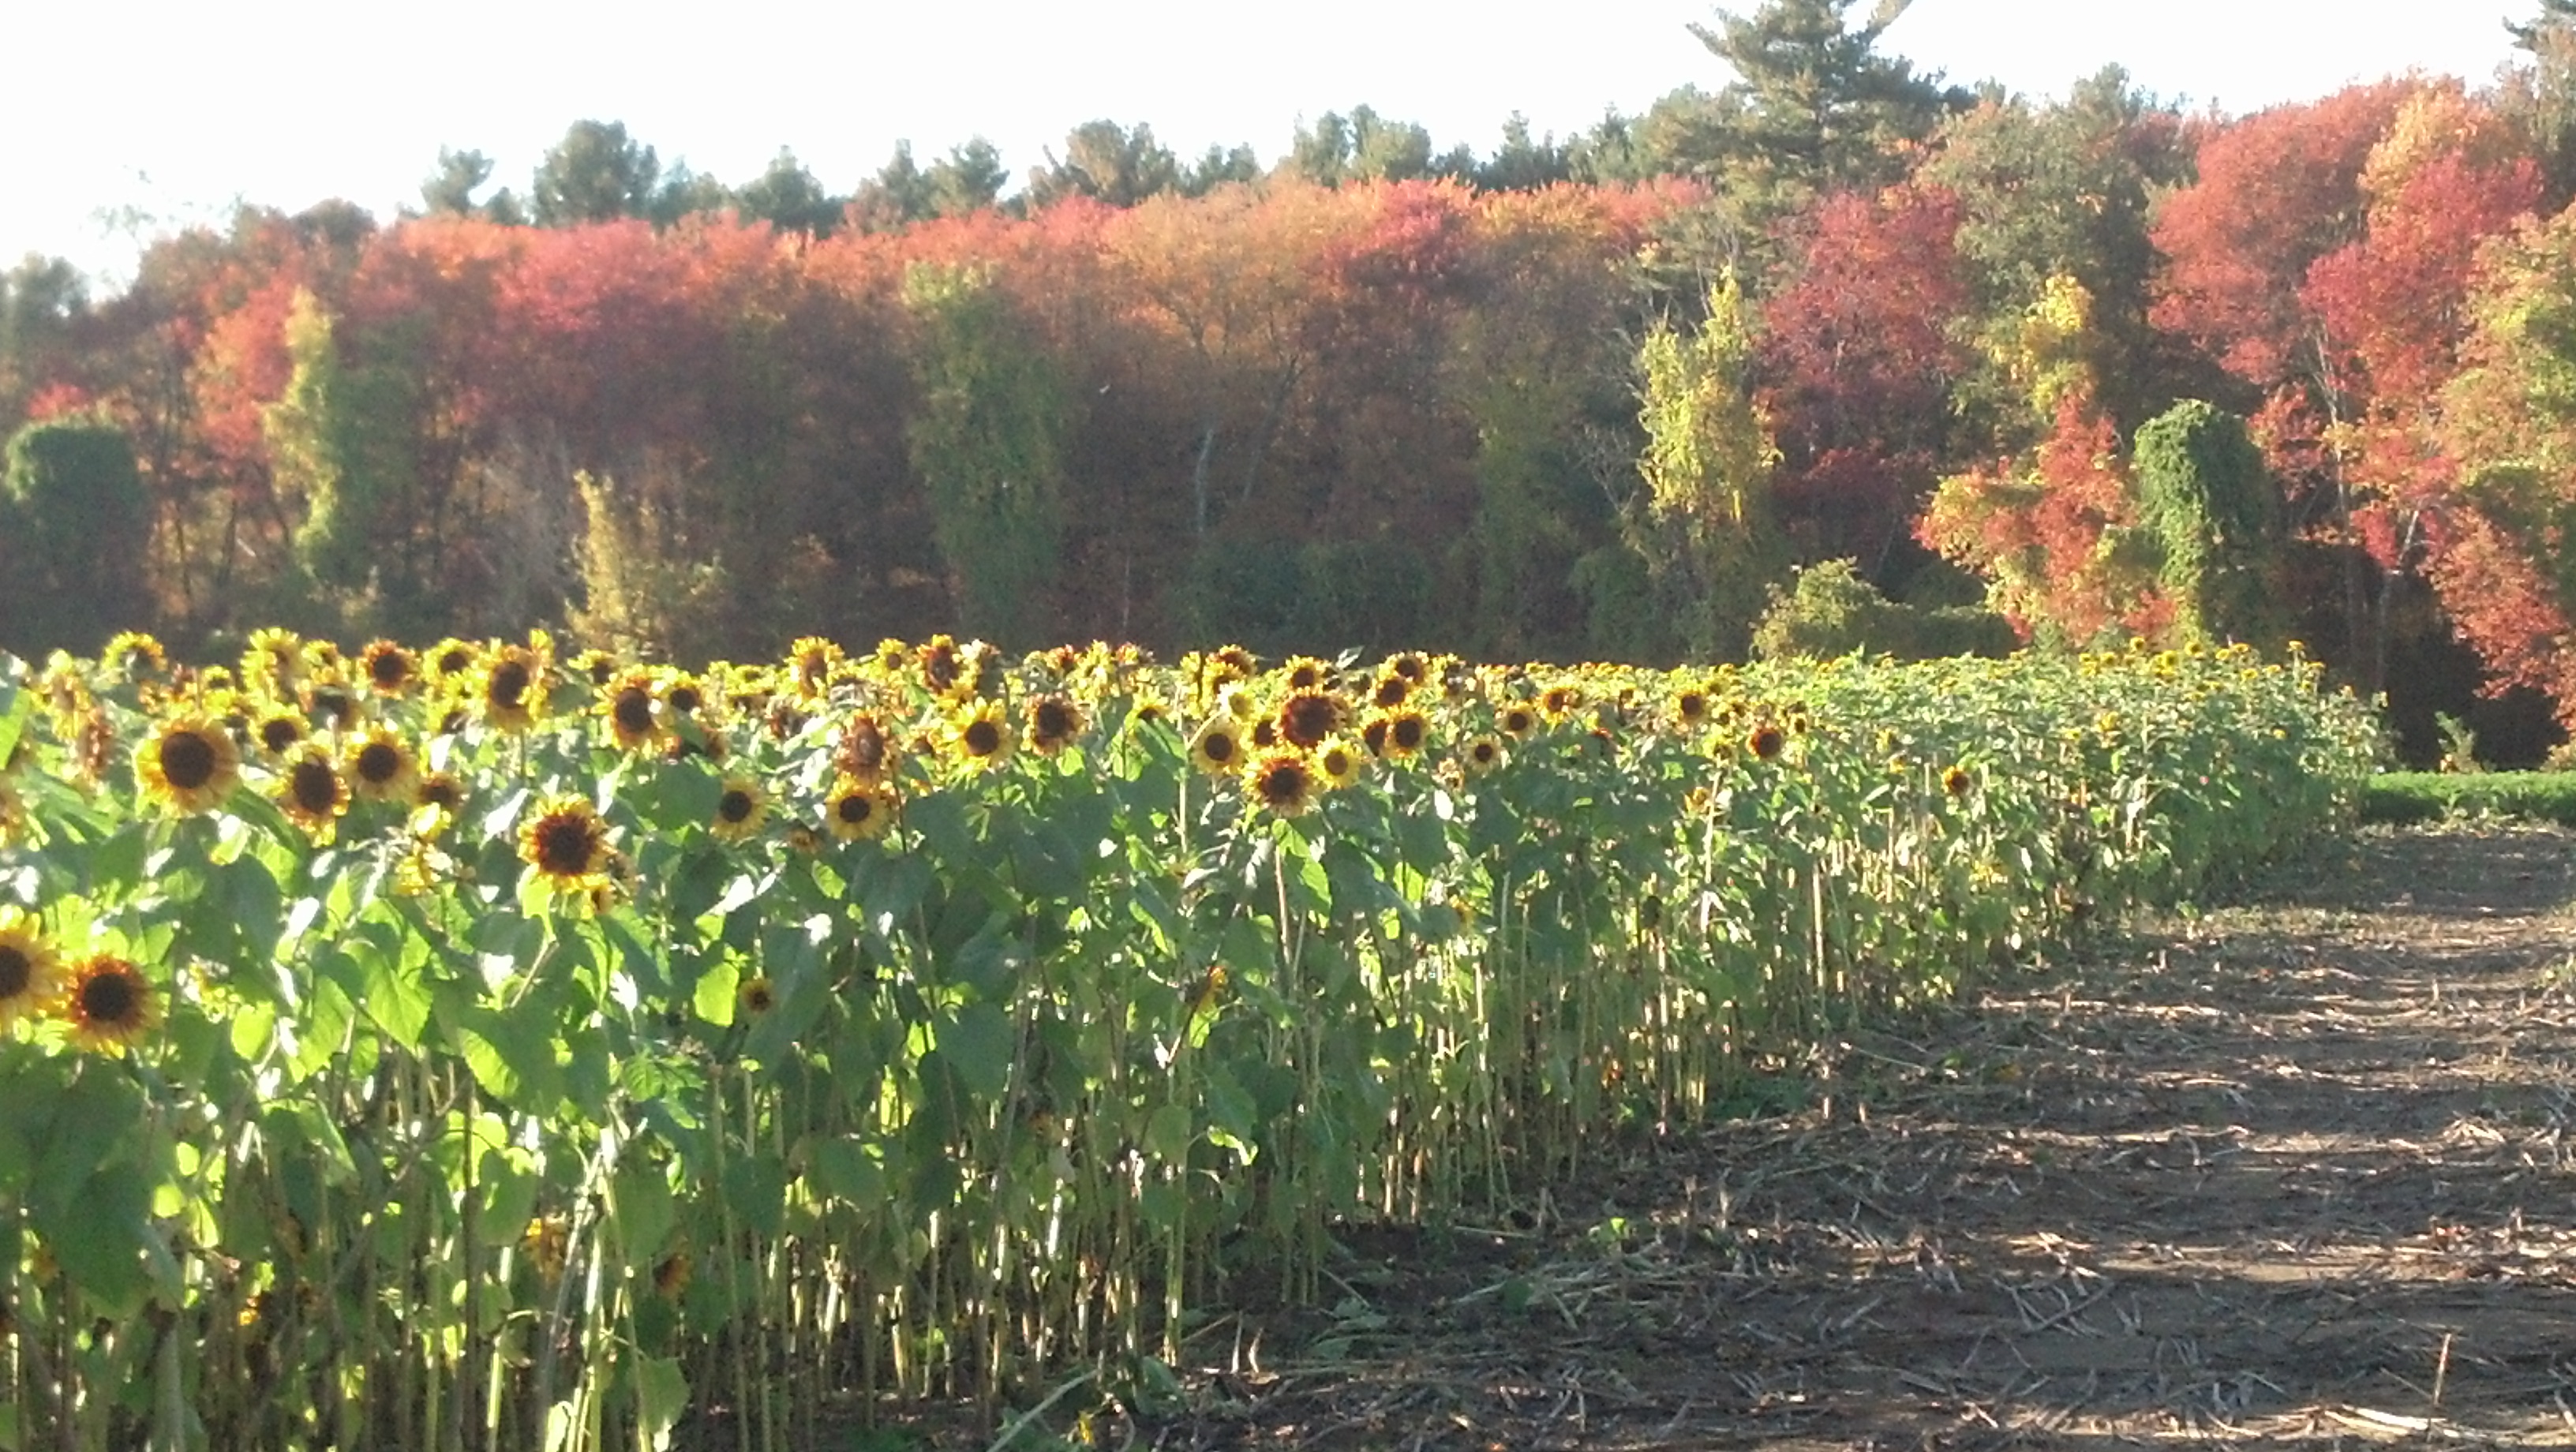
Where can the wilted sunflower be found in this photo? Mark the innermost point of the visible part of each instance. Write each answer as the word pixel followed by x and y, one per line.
pixel 108 1005
pixel 1339 761
pixel 626 704
pixel 311 789
pixel 567 843
pixel 189 764
pixel 980 735
pixel 756 997
pixel 513 685
pixel 1285 782
pixel 864 753
pixel 1307 717
pixel 547 1242
pixel 131 653
pixel 741 807
pixel 858 810
pixel 382 767
pixel 1218 748
pixel 31 978
pixel 389 669
pixel 1053 723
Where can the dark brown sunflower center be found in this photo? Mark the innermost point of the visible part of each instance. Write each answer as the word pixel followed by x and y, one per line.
pixel 1219 747
pixel 187 760
pixel 1693 707
pixel 735 806
pixel 314 786
pixel 1307 719
pixel 280 732
pixel 1406 732
pixel 388 670
pixel 1392 691
pixel 441 792
pixel 1055 720
pixel 856 808
pixel 1484 752
pixel 454 661
pixel 17 970
pixel 509 683
pixel 107 998
pixel 1517 721
pixel 686 700
pixel 334 705
pixel 940 670
pixel 565 846
pixel 758 998
pixel 1282 783
pixel 1337 762
pixel 983 738
pixel 1767 742
pixel 633 711
pixel 378 763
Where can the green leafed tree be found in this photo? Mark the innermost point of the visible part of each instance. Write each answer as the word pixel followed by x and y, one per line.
pixel 1106 162
pixel 338 440
pixel 1706 527
pixel 597 173
pixel 450 190
pixel 968 179
pixel 988 441
pixel 790 198
pixel 2214 513
pixel 897 196
pixel 75 534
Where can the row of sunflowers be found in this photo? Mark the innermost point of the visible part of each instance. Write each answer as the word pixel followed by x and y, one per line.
pixel 483 1045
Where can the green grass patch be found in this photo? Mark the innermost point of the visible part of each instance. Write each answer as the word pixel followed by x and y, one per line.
pixel 2428 796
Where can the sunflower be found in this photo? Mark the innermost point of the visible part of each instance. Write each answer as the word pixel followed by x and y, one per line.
pixel 1766 741
pixel 865 754
pixel 108 1005
pixel 1409 665
pixel 311 788
pixel 440 789
pixel 1483 754
pixel 980 735
pixel 756 997
pixel 1518 720
pixel 190 764
pixel 1283 781
pixel 389 669
pixel 1339 761
pixel 626 704
pixel 31 978
pixel 1373 736
pixel 1401 734
pixel 131 653
pixel 940 665
pixel 547 1243
pixel 382 767
pixel 1305 673
pixel 596 667
pixel 1690 708
pixel 683 693
pixel 812 660
pixel 512 687
pixel 740 809
pixel 1957 781
pixel 274 659
pixel 567 843
pixel 1389 691
pixel 333 704
pixel 1307 717
pixel 1053 723
pixel 280 729
pixel 1560 701
pixel 1236 661
pixel 451 662
pixel 1218 748
pixel 858 810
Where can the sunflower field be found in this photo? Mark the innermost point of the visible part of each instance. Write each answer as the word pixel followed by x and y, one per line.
pixel 472 1047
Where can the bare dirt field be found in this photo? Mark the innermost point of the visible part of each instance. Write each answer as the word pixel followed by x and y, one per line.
pixel 2296 1172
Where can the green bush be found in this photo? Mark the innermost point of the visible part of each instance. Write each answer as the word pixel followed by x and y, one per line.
pixel 2427 796
pixel 1832 611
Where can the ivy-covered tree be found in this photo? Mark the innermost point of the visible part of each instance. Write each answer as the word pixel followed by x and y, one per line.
pixel 76 532
pixel 2214 513
pixel 987 441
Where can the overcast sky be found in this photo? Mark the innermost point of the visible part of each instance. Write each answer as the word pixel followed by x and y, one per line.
pixel 175 108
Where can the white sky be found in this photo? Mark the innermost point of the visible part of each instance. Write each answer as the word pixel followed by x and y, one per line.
pixel 177 107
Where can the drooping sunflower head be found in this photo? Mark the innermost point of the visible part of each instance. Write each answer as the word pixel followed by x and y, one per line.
pixel 513 686
pixel 382 767
pixel 1218 747
pixel 858 810
pixel 566 844
pixel 108 1004
pixel 132 655
pixel 1307 717
pixel 330 702
pixel 1237 662
pixel 389 669
pixel 188 764
pixel 1283 782
pixel 1054 721
pixel 741 806
pixel 31 978
pixel 1410 666
pixel 311 789
pixel 980 735
pixel 442 792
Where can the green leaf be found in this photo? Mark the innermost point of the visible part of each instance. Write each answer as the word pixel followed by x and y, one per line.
pixel 846 1170
pixel 661 1396
pixel 1169 1134
pixel 977 1043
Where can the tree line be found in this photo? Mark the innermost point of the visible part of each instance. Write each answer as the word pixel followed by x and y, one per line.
pixel 1831 354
